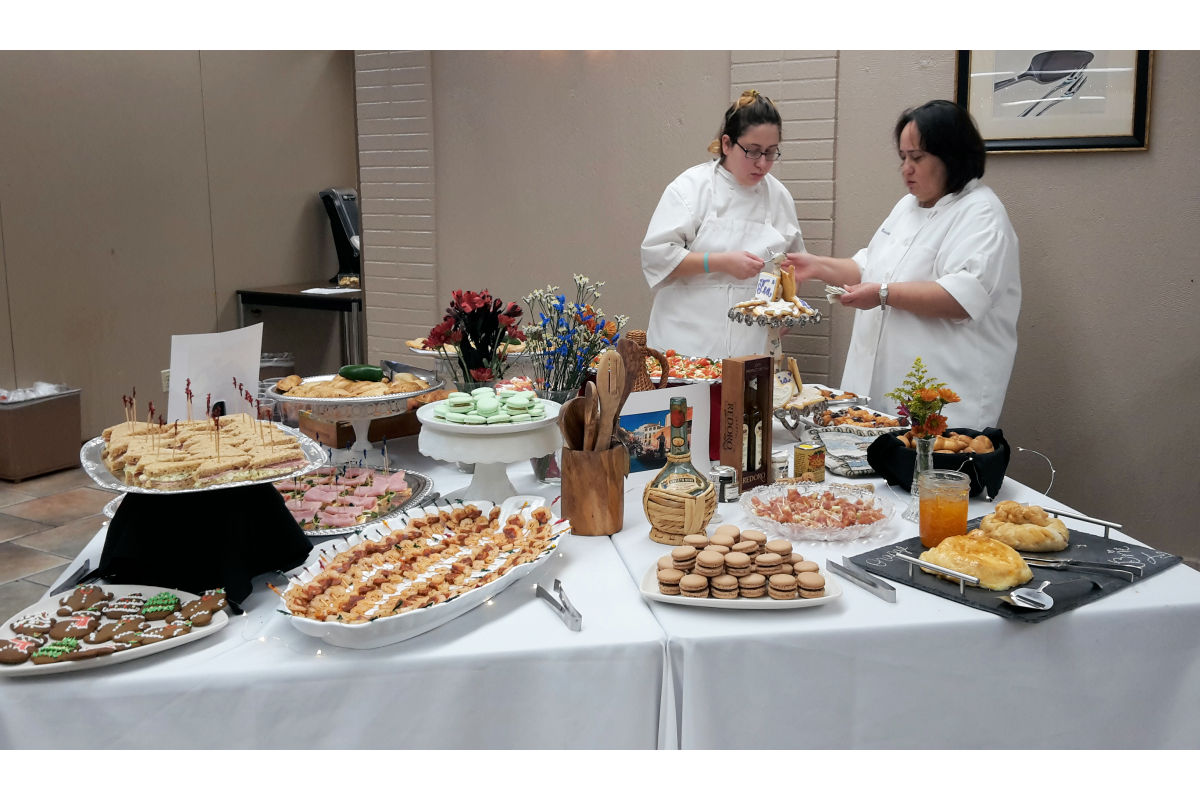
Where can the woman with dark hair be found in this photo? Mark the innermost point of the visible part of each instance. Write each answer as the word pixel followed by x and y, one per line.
pixel 941 277
pixel 708 238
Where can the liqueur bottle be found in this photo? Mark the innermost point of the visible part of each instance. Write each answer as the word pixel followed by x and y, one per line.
pixel 759 458
pixel 749 402
pixel 679 475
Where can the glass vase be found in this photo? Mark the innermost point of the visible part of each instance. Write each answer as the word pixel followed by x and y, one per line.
pixel 923 462
pixel 545 468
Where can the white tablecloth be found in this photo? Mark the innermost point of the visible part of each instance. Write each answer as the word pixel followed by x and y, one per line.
pixel 505 675
pixel 1122 672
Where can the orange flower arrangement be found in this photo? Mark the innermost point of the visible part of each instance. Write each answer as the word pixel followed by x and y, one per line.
pixel 920 400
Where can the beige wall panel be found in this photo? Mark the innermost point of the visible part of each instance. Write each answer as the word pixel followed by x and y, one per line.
pixel 1109 351
pixel 551 163
pixel 106 219
pixel 8 372
pixel 279 127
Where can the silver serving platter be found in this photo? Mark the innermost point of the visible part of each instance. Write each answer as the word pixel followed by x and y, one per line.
pixel 422 486
pixel 92 463
pixel 748 318
pixel 347 408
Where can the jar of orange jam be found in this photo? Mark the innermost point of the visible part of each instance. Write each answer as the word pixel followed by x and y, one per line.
pixel 943 499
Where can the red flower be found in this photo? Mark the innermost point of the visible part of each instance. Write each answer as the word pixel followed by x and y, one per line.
pixel 482 374
pixel 439 334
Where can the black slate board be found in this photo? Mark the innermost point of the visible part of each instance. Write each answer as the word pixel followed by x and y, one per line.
pixel 1069 588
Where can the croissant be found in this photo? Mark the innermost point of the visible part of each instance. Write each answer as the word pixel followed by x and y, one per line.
pixel 1027 528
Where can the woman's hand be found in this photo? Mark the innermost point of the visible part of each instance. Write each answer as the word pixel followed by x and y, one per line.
pixel 740 265
pixel 861 296
pixel 807 266
pixel 836 271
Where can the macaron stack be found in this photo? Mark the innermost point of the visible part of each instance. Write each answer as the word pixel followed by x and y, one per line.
pixel 734 563
pixel 486 406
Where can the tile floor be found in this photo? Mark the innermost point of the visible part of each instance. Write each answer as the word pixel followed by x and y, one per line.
pixel 44 523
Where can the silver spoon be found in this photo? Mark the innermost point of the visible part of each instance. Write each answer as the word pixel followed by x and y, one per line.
pixel 1030 598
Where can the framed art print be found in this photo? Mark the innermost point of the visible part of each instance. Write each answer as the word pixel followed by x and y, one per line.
pixel 1035 101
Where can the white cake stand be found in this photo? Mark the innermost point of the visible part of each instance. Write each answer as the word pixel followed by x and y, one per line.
pixel 491 448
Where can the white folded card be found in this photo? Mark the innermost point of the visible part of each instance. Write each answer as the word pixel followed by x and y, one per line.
pixel 332 290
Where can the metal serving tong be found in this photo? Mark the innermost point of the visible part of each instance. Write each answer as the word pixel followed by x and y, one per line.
pixel 561 605
pixel 861 578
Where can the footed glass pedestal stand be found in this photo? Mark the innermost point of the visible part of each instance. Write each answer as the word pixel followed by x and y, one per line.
pixel 491 448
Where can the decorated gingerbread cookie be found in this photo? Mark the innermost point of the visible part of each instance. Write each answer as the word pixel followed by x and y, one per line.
pixel 200 611
pixel 173 629
pixel 160 606
pixel 85 596
pixel 110 629
pixel 38 624
pixel 55 651
pixel 76 626
pixel 139 638
pixel 125 606
pixel 18 649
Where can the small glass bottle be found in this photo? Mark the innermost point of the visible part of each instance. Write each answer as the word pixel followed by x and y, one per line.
pixel 759 458
pixel 679 475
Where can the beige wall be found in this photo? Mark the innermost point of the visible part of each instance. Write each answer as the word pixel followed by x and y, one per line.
pixel 140 189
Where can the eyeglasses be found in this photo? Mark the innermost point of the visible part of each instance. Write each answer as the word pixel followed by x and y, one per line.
pixel 756 154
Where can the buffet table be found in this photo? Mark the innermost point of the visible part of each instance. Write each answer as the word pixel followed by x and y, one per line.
pixel 858 672
pixel 925 672
pixel 509 674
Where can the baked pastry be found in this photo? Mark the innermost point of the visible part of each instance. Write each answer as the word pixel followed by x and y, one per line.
pixel 995 564
pixel 1025 528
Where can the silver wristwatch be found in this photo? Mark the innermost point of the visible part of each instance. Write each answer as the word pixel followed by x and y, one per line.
pixel 883 293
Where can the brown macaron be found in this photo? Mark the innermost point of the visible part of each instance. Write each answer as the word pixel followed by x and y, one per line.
pixel 795 557
pixel 684 557
pixel 751 535
pixel 737 564
pixel 724 587
pixel 749 548
pixel 709 563
pixel 723 539
pixel 718 548
pixel 786 568
pixel 768 563
pixel 812 584
pixel 781 546
pixel 668 580
pixel 732 531
pixel 752 585
pixel 696 540
pixel 782 587
pixel 805 566
pixel 693 586
pixel 666 562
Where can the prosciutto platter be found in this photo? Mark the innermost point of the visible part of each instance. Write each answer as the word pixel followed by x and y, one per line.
pixel 338 500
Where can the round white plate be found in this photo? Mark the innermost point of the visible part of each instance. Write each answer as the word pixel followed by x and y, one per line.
pixel 50 606
pixel 649 587
pixel 426 416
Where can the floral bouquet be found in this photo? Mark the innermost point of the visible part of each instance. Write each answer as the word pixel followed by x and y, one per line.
pixel 564 337
pixel 477 326
pixel 921 399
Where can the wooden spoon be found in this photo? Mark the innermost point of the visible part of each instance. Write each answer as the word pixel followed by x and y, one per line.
pixel 572 423
pixel 591 416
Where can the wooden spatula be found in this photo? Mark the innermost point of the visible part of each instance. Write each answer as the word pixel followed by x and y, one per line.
pixel 610 385
pixel 591 416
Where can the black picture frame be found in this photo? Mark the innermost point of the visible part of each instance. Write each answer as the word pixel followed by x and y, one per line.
pixel 1096 100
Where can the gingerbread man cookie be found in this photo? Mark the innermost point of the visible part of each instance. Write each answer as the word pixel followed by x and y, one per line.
pixel 37 624
pixel 18 649
pixel 76 626
pixel 200 612
pixel 85 596
pixel 125 606
pixel 173 629
pixel 139 638
pixel 110 629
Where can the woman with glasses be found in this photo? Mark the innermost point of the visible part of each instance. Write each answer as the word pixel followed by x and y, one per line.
pixel 941 277
pixel 707 240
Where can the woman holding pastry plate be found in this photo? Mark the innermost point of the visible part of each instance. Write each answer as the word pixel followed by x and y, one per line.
pixel 705 244
pixel 940 279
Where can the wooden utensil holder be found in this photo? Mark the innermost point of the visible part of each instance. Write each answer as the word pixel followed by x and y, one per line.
pixel 674 515
pixel 593 489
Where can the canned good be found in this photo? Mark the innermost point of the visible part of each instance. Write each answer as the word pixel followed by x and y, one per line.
pixel 779 464
pixel 808 462
pixel 724 481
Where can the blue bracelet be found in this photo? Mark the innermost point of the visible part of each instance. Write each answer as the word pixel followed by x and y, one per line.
pixel 706 262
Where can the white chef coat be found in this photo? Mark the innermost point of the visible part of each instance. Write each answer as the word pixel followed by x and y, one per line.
pixel 706 210
pixel 966 244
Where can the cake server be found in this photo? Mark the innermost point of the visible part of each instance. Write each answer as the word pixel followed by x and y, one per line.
pixel 861 578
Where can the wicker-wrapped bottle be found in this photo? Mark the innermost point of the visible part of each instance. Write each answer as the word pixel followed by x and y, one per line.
pixel 680 500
